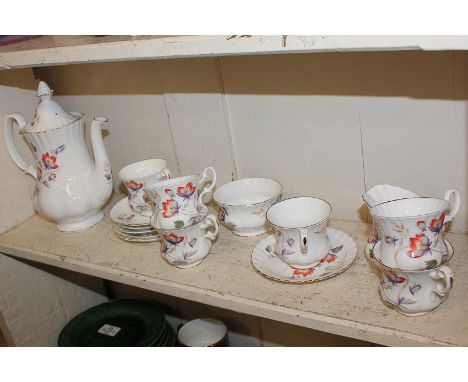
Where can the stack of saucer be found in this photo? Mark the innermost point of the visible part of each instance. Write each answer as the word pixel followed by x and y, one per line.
pixel 131 226
pixel 131 216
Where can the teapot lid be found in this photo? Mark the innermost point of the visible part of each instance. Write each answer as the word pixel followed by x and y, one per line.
pixel 49 114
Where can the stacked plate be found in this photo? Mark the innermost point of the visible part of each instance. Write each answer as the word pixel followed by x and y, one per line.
pixel 130 226
pixel 119 323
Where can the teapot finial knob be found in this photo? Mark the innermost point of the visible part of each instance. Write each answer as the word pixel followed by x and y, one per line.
pixel 43 90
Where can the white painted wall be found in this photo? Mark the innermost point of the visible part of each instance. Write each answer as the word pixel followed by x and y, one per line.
pixel 17 188
pixel 329 124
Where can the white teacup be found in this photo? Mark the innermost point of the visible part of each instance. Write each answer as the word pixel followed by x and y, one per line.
pixel 187 247
pixel 414 293
pixel 301 237
pixel 411 230
pixel 243 204
pixel 178 202
pixel 135 175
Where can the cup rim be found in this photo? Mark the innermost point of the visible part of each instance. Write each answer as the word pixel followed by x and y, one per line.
pixel 125 178
pixel 306 226
pixel 251 204
pixel 217 321
pixel 381 265
pixel 412 216
pixel 205 214
pixel 167 182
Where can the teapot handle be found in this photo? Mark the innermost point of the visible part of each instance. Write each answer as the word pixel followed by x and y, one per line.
pixel 10 143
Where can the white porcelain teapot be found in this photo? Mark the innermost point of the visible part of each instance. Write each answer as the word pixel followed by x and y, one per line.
pixel 70 188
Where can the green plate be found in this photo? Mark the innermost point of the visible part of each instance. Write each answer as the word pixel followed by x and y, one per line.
pixel 161 340
pixel 172 339
pixel 116 323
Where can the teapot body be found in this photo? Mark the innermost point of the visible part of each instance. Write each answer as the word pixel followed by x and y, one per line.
pixel 64 168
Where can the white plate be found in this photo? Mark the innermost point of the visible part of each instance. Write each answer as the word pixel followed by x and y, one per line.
pixel 134 230
pixel 122 214
pixel 340 258
pixel 138 239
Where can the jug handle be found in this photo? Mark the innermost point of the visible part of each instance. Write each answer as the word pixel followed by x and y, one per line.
pixel 456 204
pixel 12 149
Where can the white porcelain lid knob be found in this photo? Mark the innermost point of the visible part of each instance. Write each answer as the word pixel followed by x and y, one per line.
pixel 49 114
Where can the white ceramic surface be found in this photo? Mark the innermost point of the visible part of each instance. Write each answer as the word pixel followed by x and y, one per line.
pixel 384 193
pixel 415 293
pixel 301 238
pixel 70 188
pixel 411 230
pixel 122 214
pixel 242 204
pixel 135 175
pixel 178 202
pixel 202 332
pixel 342 254
pixel 187 247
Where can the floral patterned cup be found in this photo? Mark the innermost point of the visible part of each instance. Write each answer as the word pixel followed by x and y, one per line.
pixel 415 293
pixel 178 202
pixel 187 247
pixel 301 237
pixel 411 230
pixel 134 176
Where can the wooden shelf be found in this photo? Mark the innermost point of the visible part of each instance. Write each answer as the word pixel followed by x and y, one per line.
pixel 347 305
pixel 61 50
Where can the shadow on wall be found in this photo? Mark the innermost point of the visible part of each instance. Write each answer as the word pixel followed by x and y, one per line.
pixel 414 74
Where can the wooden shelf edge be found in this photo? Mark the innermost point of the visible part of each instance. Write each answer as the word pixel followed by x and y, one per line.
pixel 98 49
pixel 337 326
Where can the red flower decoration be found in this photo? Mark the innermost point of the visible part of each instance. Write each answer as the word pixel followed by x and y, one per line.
pixel 187 191
pixel 173 239
pixel 49 161
pixel 393 277
pixel 420 245
pixel 134 186
pixel 303 272
pixel 170 208
pixel 330 258
pixel 421 225
pixel 437 224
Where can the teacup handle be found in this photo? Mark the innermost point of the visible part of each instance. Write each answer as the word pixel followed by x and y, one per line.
pixel 446 274
pixel 166 173
pixel 211 221
pixel 456 204
pixel 303 240
pixel 203 179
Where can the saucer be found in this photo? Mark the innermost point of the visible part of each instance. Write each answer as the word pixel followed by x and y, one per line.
pixel 373 252
pixel 122 214
pixel 340 258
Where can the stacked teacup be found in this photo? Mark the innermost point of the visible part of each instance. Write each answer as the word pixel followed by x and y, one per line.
pixel 411 251
pixel 181 218
pixel 131 216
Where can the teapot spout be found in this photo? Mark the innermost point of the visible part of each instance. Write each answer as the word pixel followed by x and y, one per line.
pixel 101 177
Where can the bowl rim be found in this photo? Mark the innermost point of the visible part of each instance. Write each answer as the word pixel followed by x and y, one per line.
pixel 251 204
